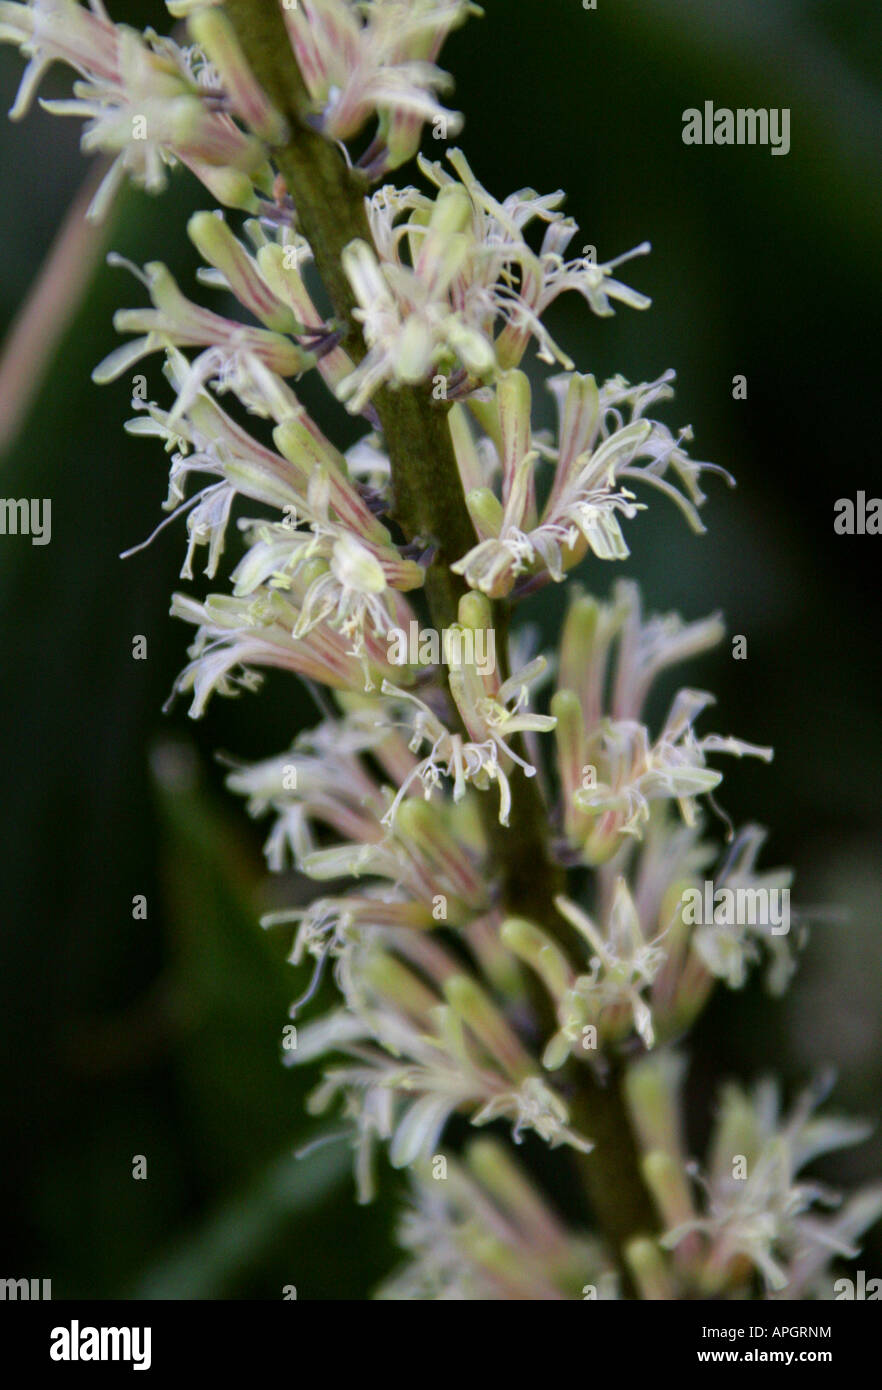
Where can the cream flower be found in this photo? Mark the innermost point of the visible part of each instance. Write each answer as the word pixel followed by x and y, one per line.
pixel 140 99
pixel 376 59
pixel 597 458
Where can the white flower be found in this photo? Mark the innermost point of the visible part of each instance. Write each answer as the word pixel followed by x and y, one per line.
pixel 510 281
pixel 141 100
pixel 320 781
pixel 348 584
pixel 441 1063
pixel 469 294
pixel 534 1106
pixel 597 457
pixel 728 951
pixel 204 439
pixel 323 783
pixel 622 969
pixel 236 634
pixel 631 772
pixel 611 770
pixel 485 757
pixel 409 324
pixel 306 480
pixel 765 1217
pixel 376 59
pixel 233 351
pixel 487 1233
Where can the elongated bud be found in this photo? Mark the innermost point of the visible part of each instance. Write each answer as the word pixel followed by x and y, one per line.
pixel 531 945
pixel 557 1051
pixel 417 822
pixel 215 35
pixel 508 1184
pixel 469 1001
pixel 666 1180
pixel 503 1263
pixel 570 736
pixel 652 1088
pixel 650 1270
pixel 397 985
pixel 485 510
pixel 302 443
pixel 231 187
pixel 472 348
pixel 467 457
pixel 452 211
pixel 581 414
pixel 666 1004
pixel 514 399
pixel 216 244
pixel 577 646
pixel 286 282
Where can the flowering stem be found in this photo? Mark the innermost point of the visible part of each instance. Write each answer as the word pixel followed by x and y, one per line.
pixel 429 504
pixel 329 198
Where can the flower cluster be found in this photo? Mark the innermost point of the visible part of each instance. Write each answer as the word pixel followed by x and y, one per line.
pixel 747 1219
pixel 144 99
pixel 451 284
pixel 376 60
pixel 455 1001
pixel 595 456
pixel 478 1230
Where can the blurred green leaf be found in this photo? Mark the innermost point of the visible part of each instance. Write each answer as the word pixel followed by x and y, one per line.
pixel 210 1261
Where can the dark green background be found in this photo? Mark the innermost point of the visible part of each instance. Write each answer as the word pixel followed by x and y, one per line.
pixel 162 1037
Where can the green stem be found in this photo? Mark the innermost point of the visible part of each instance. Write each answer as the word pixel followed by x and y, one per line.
pixel 429 504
